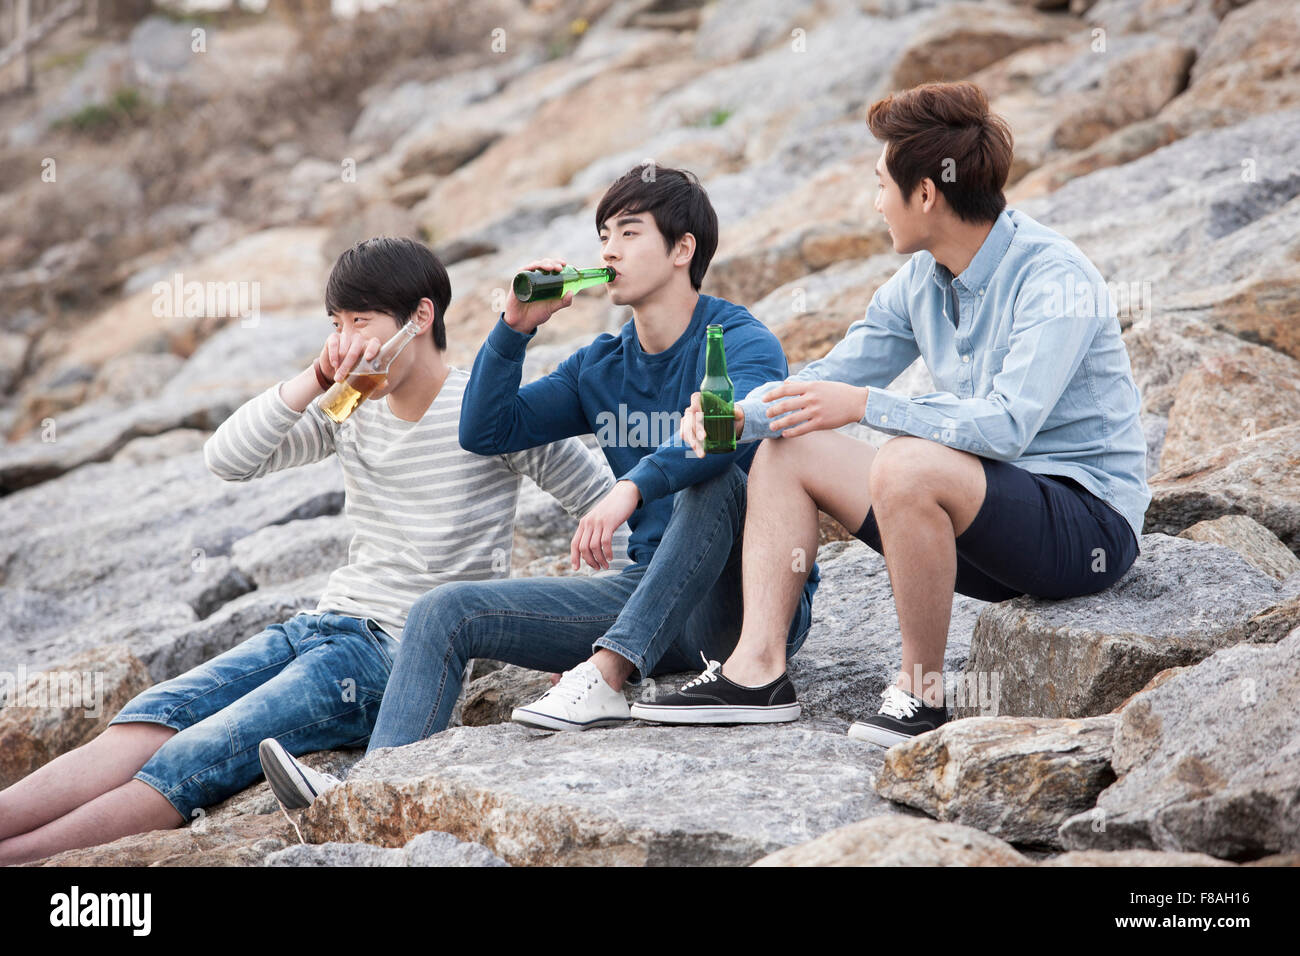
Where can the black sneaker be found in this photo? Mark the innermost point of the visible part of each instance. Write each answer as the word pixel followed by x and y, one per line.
pixel 901 717
pixel 712 699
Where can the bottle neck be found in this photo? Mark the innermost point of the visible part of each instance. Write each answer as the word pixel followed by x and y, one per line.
pixel 393 347
pixel 715 360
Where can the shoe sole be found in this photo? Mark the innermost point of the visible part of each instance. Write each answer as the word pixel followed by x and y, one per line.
pixel 546 722
pixel 878 735
pixel 286 784
pixel 782 713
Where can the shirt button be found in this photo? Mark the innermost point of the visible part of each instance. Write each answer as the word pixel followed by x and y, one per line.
pixel 965 358
pixel 883 419
pixel 981 291
pixel 935 435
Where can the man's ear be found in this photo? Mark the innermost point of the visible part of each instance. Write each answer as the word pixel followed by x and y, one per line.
pixel 685 249
pixel 929 193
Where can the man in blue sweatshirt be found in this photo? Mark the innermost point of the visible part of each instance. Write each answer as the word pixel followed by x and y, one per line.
pixel 679 602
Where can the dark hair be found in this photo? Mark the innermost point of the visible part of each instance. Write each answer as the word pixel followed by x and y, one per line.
pixel 677 201
pixel 391 276
pixel 935 122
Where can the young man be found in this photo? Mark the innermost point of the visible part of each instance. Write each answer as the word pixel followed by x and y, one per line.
pixel 424 511
pixel 1024 473
pixel 679 602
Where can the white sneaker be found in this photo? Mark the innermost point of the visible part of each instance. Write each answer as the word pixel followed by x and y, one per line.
pixel 581 700
pixel 294 784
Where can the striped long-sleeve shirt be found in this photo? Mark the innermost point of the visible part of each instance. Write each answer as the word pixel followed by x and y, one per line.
pixel 424 511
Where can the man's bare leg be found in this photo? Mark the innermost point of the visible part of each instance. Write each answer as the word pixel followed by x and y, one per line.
pixel 78 776
pixel 134 807
pixel 925 495
pixel 790 480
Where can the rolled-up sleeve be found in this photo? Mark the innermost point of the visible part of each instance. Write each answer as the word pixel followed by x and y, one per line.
pixel 874 351
pixel 1050 337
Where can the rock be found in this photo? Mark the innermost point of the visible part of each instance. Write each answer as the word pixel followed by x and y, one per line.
pixel 49 713
pixel 1228 397
pixel 1248 538
pixel 491 699
pixel 243 842
pixel 1134 87
pixel 336 854
pixel 293 550
pixel 446 148
pixel 739 29
pixel 1225 256
pixel 1132 858
pixel 1206 762
pixel 388 114
pixel 1163 349
pixel 1250 67
pixel 170 444
pixel 961 38
pixel 1016 778
pixel 633 795
pixel 99 431
pixel 899 841
pixel 442 849
pixel 428 849
pixel 165 531
pixel 1078 657
pixel 1257 476
pixel 172 651
pixel 285 268
pixel 852 652
pixel 529 157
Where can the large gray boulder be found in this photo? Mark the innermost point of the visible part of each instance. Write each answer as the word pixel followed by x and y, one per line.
pixel 1207 762
pixel 632 795
pixel 1079 657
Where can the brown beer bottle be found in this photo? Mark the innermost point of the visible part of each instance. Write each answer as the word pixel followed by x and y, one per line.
pixel 343 397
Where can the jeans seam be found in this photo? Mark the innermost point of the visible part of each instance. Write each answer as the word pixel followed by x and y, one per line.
pixel 680 586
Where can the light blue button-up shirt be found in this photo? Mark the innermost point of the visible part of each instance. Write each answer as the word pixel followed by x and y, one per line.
pixel 1025 350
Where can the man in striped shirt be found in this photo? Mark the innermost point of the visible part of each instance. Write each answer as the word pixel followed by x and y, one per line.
pixel 425 512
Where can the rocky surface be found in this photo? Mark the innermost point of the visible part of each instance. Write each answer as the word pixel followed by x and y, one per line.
pixel 1162 138
pixel 634 795
pixel 1206 762
pixel 1015 778
pixel 1080 657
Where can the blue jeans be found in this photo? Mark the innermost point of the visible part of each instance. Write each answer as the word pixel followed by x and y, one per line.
pixel 661 616
pixel 313 683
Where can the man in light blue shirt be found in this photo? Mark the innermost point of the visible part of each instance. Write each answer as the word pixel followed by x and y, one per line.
pixel 1022 473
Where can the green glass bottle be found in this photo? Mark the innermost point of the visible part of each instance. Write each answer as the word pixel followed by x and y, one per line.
pixel 716 397
pixel 537 284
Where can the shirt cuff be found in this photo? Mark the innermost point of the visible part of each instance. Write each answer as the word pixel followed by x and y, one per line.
pixel 887 411
pixel 650 480
pixel 509 343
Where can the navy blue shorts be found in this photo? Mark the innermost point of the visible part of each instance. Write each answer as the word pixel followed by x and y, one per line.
pixel 1043 535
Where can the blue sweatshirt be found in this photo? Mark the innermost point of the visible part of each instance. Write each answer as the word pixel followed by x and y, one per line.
pixel 631 400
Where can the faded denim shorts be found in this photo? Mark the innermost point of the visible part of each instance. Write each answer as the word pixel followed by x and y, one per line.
pixel 313 683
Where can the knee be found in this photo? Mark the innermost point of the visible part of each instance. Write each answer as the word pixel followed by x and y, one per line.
pixel 438 613
pixel 722 489
pixel 903 469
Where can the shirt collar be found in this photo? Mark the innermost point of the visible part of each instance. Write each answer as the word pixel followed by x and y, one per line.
pixel 986 260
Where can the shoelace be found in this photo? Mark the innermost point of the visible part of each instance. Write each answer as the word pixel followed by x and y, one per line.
pixel 573 685
pixel 898 703
pixel 710 674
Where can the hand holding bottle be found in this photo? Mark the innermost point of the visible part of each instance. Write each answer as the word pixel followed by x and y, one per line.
pixel 693 424
pixel 526 316
pixel 344 351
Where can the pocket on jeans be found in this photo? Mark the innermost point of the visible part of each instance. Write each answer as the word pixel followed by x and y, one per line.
pixel 370 626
